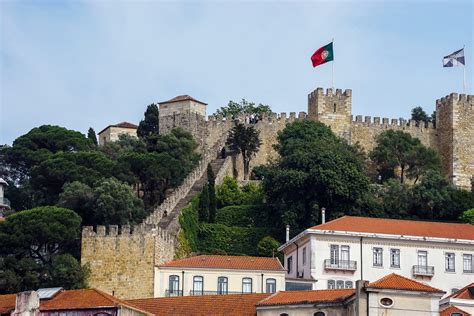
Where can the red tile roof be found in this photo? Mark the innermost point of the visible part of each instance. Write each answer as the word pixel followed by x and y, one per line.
pixel 463 293
pixel 307 297
pixel 184 97
pixel 121 125
pixel 232 304
pixel 452 309
pixel 7 303
pixel 399 227
pixel 227 262
pixel 80 299
pixel 398 282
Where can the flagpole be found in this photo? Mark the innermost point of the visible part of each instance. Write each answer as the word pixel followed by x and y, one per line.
pixel 333 64
pixel 464 72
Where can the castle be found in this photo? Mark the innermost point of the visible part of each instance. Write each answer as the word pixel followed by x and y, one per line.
pixel 122 262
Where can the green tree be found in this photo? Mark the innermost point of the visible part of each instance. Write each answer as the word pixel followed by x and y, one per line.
pixel 399 150
pixel 429 196
pixel 467 216
pixel 149 126
pixel 268 247
pixel 211 180
pixel 91 135
pixel 37 145
pixel 316 169
pixel 396 199
pixel 243 108
pixel 204 204
pixel 433 118
pixel 36 250
pixel 246 141
pixel 419 115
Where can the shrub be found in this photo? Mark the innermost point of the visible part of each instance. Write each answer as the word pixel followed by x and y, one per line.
pixel 267 247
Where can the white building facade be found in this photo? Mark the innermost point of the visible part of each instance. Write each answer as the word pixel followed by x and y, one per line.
pixel 219 275
pixel 336 254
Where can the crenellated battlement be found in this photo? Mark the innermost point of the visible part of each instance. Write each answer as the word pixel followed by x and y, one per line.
pixel 454 98
pixel 126 231
pixel 390 123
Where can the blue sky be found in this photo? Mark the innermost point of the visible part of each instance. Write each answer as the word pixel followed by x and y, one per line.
pixel 93 63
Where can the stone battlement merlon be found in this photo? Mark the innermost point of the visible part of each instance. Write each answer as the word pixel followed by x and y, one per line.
pixel 455 98
pixel 319 92
pixel 125 231
pixel 400 122
pixel 273 117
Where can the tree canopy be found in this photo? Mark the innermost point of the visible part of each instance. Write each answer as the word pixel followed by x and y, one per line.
pixel 243 107
pixel 246 141
pixel 316 169
pixel 419 115
pixel 399 150
pixel 149 126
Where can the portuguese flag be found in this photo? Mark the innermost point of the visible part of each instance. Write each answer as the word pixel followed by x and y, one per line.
pixel 322 55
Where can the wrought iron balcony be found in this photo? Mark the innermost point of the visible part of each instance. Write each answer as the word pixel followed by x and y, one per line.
pixel 471 270
pixel 169 293
pixel 423 270
pixel 199 293
pixel 347 265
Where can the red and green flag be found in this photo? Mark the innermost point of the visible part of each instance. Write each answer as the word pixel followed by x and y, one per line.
pixel 323 55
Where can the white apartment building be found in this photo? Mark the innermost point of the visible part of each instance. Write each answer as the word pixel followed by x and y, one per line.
pixel 336 254
pixel 219 275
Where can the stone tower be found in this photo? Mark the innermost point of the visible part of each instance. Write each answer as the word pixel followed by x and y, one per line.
pixel 332 109
pixel 187 113
pixel 455 126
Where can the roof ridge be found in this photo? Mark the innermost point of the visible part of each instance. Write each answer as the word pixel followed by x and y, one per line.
pixel 460 290
pixel 268 297
pixel 376 282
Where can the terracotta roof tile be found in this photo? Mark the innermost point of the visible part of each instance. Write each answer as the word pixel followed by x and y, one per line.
pixel 453 309
pixel 307 297
pixel 398 282
pixel 184 97
pixel 121 125
pixel 232 304
pixel 78 299
pixel 7 303
pixel 399 227
pixel 463 293
pixel 227 262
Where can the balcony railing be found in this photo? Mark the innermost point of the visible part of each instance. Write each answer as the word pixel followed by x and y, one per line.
pixel 348 265
pixel 471 270
pixel 423 270
pixel 169 293
pixel 199 293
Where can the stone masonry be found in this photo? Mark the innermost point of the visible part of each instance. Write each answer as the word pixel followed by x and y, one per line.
pixel 123 263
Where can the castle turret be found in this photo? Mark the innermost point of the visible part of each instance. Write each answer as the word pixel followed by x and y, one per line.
pixel 455 126
pixel 332 108
pixel 185 112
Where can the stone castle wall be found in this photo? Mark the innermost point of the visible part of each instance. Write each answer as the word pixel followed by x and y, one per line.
pixel 122 263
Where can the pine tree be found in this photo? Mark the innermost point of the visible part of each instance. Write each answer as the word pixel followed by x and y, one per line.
pixel 204 204
pixel 211 180
pixel 92 136
pixel 149 126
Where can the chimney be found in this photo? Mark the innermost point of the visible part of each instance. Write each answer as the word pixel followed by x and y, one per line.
pixel 27 304
pixel 287 233
pixel 323 215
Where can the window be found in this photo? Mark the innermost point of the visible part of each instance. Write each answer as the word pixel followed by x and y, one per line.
pixel 449 259
pixel 331 284
pixel 246 285
pixel 334 254
pixel 319 314
pixel 174 285
pixel 339 284
pixel 271 286
pixel 386 302
pixel 284 314
pixel 222 285
pixel 467 263
pixel 349 285
pixel 289 264
pixel 395 258
pixel 345 254
pixel 378 257
pixel 198 285
pixel 455 314
pixel 304 256
pixel 422 258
